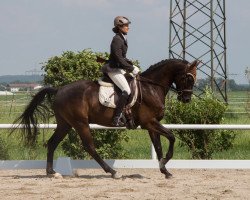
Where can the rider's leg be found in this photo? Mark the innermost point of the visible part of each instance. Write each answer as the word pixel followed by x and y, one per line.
pixel 119 79
pixel 117 118
pixel 121 82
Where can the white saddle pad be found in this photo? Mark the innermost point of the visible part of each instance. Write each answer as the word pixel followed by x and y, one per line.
pixel 107 94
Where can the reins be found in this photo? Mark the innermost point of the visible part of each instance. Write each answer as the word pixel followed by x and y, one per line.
pixel 143 79
pixel 139 86
pixel 146 80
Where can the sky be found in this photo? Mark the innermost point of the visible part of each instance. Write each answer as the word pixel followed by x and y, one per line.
pixel 32 31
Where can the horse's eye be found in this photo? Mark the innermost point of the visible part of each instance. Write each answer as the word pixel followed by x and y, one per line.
pixel 190 79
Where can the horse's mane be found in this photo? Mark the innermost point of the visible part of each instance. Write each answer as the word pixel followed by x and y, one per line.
pixel 163 62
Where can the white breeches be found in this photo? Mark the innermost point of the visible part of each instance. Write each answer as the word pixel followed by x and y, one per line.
pixel 119 79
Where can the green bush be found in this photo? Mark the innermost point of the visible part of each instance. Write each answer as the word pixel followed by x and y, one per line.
pixel 69 67
pixel 107 142
pixel 208 110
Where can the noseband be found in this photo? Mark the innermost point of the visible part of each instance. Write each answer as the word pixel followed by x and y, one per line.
pixel 180 92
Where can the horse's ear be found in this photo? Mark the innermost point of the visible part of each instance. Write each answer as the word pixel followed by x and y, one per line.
pixel 192 67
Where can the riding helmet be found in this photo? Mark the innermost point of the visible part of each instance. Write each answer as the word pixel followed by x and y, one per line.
pixel 121 20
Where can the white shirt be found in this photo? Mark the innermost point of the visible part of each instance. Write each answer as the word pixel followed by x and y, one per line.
pixel 124 37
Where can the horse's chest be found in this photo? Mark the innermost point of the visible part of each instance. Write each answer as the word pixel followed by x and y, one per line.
pixel 154 102
pixel 159 111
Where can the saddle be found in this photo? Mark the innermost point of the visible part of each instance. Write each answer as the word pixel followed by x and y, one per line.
pixel 109 94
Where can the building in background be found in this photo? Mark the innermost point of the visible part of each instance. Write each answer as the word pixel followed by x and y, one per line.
pixel 15 87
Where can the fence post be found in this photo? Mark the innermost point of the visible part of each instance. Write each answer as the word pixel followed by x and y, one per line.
pixel 153 153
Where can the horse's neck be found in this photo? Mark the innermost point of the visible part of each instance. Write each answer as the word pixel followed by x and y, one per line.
pixel 163 78
pixel 159 84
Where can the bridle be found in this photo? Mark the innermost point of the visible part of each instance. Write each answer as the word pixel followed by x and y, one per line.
pixel 179 92
pixel 185 78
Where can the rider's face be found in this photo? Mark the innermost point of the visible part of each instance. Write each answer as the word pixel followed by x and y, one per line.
pixel 124 28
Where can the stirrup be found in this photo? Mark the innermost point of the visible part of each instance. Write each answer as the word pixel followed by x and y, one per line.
pixel 119 121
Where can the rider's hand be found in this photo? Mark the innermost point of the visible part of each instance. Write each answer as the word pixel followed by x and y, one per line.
pixel 136 70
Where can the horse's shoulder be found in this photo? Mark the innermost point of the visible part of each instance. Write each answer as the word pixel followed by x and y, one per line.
pixel 84 83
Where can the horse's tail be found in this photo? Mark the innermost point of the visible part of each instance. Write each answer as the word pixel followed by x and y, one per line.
pixel 38 108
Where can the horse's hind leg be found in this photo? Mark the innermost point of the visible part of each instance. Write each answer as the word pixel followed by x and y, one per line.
pixel 60 132
pixel 88 143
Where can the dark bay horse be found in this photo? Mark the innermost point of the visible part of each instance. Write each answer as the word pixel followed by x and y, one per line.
pixel 76 105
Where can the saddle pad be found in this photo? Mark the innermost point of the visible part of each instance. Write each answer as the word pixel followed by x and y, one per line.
pixel 107 95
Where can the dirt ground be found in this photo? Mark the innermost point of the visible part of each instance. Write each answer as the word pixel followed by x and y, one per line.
pixel 136 184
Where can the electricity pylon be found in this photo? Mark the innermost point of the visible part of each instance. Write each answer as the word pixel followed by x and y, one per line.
pixel 198 31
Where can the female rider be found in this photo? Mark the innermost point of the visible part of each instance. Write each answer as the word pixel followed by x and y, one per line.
pixel 118 65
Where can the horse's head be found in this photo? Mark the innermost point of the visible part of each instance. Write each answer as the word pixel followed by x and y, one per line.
pixel 185 81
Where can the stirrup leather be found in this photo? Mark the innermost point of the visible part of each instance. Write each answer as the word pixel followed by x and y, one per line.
pixel 119 121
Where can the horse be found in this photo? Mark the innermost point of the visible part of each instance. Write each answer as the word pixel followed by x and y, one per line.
pixel 76 105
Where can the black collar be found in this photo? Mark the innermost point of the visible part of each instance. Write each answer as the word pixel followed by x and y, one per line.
pixel 121 36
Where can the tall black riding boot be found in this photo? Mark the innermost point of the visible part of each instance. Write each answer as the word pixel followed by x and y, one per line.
pixel 119 108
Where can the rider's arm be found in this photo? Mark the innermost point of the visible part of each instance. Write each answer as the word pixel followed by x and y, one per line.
pixel 116 49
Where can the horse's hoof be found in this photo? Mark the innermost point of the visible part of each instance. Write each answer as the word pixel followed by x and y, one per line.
pixel 116 175
pixel 55 175
pixel 168 176
pixel 76 173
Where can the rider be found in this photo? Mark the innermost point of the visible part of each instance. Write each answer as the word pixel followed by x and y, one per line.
pixel 118 65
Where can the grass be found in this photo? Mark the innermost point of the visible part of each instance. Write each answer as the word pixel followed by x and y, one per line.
pixel 17 150
pixel 138 146
pixel 240 150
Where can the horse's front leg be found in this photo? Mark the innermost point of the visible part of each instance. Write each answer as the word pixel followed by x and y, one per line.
pixel 155 138
pixel 157 129
pixel 156 141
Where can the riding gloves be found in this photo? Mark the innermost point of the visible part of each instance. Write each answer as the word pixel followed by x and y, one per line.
pixel 136 70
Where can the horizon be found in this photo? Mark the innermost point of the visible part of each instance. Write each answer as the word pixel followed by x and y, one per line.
pixel 41 75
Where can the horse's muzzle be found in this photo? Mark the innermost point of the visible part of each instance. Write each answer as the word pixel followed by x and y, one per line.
pixel 185 96
pixel 186 99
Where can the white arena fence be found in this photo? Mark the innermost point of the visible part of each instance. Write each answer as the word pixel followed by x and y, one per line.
pixel 65 165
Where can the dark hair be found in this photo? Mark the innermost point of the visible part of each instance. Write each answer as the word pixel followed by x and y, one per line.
pixel 116 29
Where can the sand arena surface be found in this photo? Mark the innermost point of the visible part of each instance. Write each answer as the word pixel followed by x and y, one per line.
pixel 136 184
